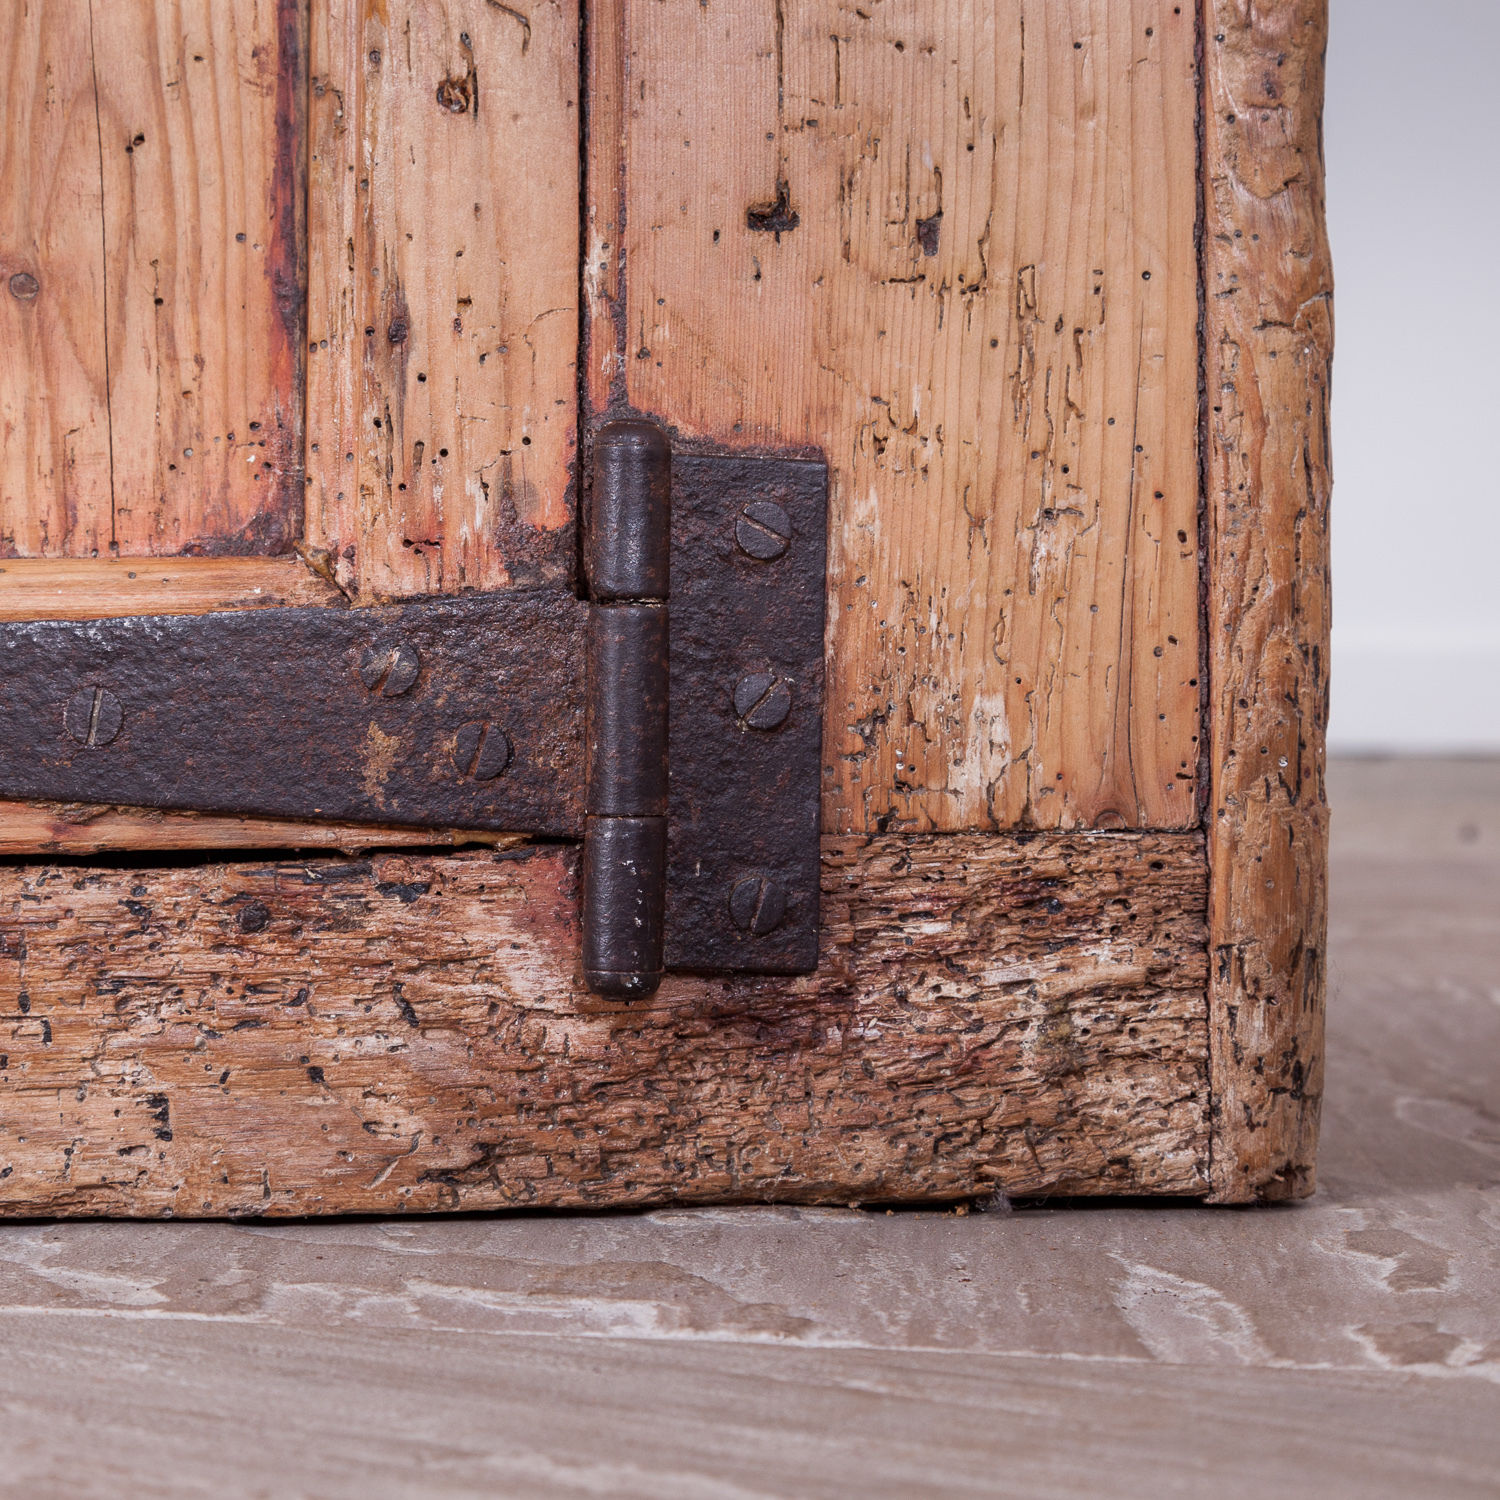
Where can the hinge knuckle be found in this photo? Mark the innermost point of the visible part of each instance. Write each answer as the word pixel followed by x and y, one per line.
pixel 626 551
pixel 624 883
pixel 627 710
pixel 627 542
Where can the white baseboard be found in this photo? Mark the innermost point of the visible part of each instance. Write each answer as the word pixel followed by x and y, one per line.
pixel 1436 696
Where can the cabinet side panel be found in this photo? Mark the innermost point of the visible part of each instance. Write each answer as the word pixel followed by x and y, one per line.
pixel 951 245
pixel 443 300
pixel 1268 347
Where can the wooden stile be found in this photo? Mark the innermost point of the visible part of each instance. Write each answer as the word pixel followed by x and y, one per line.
pixel 1268 344
pixel 153 179
pixel 54 389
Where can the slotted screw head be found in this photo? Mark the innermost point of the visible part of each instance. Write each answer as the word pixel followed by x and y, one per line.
pixel 757 905
pixel 390 670
pixel 93 716
pixel 762 700
pixel 763 530
pixel 481 751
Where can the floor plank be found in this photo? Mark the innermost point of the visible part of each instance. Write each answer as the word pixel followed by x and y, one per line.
pixel 422 1413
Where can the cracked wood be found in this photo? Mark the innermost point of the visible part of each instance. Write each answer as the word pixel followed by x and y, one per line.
pixel 952 245
pixel 412 1033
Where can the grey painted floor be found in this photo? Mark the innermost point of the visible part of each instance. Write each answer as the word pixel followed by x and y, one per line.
pixel 1349 1346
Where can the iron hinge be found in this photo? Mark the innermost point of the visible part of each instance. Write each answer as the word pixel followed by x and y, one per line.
pixel 672 719
pixel 702 844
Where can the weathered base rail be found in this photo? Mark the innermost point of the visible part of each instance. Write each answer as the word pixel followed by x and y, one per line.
pixel 411 1033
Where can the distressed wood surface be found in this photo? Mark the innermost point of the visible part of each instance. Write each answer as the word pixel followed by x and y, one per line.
pixel 201 111
pixel 154 187
pixel 102 588
pixel 952 246
pixel 411 1033
pixel 945 244
pixel 443 299
pixel 1269 338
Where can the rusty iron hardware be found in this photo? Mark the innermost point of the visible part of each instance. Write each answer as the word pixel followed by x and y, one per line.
pixel 702 845
pixel 458 713
pixel 672 720
pixel 746 713
pixel 627 557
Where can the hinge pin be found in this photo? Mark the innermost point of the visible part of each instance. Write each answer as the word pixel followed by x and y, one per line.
pixel 626 550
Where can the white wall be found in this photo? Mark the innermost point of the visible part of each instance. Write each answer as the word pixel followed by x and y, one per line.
pixel 1413 154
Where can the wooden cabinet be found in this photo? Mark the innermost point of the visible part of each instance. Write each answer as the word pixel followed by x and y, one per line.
pixel 322 304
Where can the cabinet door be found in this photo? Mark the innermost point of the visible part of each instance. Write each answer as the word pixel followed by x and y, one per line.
pixel 322 303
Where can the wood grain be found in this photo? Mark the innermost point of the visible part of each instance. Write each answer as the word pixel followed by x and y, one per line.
pixel 1268 346
pixel 54 390
pixel 69 830
pixel 411 1033
pixel 103 588
pixel 163 203
pixel 443 300
pixel 951 245
pixel 201 111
